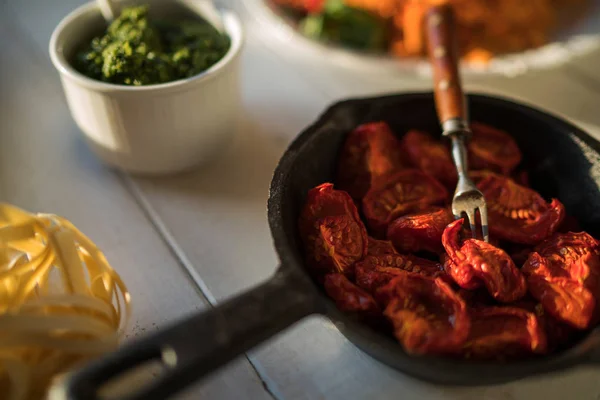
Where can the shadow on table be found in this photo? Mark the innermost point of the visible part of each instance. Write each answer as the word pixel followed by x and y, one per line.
pixel 242 174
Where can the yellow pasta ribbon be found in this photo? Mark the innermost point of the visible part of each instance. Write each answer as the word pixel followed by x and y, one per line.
pixel 61 303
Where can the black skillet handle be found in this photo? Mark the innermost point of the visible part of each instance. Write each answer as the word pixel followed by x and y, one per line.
pixel 202 343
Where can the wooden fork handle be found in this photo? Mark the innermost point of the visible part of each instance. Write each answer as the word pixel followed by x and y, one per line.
pixel 444 57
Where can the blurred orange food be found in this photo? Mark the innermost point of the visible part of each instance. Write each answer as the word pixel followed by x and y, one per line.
pixel 485 27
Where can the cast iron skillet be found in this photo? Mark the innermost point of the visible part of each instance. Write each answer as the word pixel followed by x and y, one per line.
pixel 563 161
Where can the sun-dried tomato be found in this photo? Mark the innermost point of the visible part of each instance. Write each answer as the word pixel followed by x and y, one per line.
pixel 504 332
pixel 430 156
pixel 516 213
pixel 493 149
pixel 380 247
pixel 420 232
pixel 333 234
pixel 476 263
pixel 427 315
pixel 402 193
pixel 564 275
pixel 348 297
pixel 557 333
pixel 369 152
pixel 376 271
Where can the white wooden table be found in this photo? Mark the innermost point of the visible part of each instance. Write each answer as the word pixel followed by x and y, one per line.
pixel 184 243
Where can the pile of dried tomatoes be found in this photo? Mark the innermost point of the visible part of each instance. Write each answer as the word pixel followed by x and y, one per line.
pixel 385 245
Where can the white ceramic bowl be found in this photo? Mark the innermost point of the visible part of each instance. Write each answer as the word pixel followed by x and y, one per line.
pixel 153 129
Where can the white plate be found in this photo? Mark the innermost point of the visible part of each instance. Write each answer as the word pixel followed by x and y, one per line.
pixel 569 44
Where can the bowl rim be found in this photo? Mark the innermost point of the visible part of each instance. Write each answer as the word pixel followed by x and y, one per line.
pixel 233 28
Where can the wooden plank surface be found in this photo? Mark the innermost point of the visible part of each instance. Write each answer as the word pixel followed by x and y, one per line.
pixel 45 167
pixel 217 218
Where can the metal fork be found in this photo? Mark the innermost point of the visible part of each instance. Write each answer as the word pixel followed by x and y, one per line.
pixel 452 112
pixel 467 198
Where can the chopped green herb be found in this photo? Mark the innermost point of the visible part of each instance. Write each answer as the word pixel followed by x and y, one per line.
pixel 137 51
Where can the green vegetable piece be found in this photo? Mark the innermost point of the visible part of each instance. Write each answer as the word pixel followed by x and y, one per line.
pixel 312 26
pixel 348 26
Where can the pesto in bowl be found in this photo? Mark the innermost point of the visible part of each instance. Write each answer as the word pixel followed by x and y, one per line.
pixel 136 50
